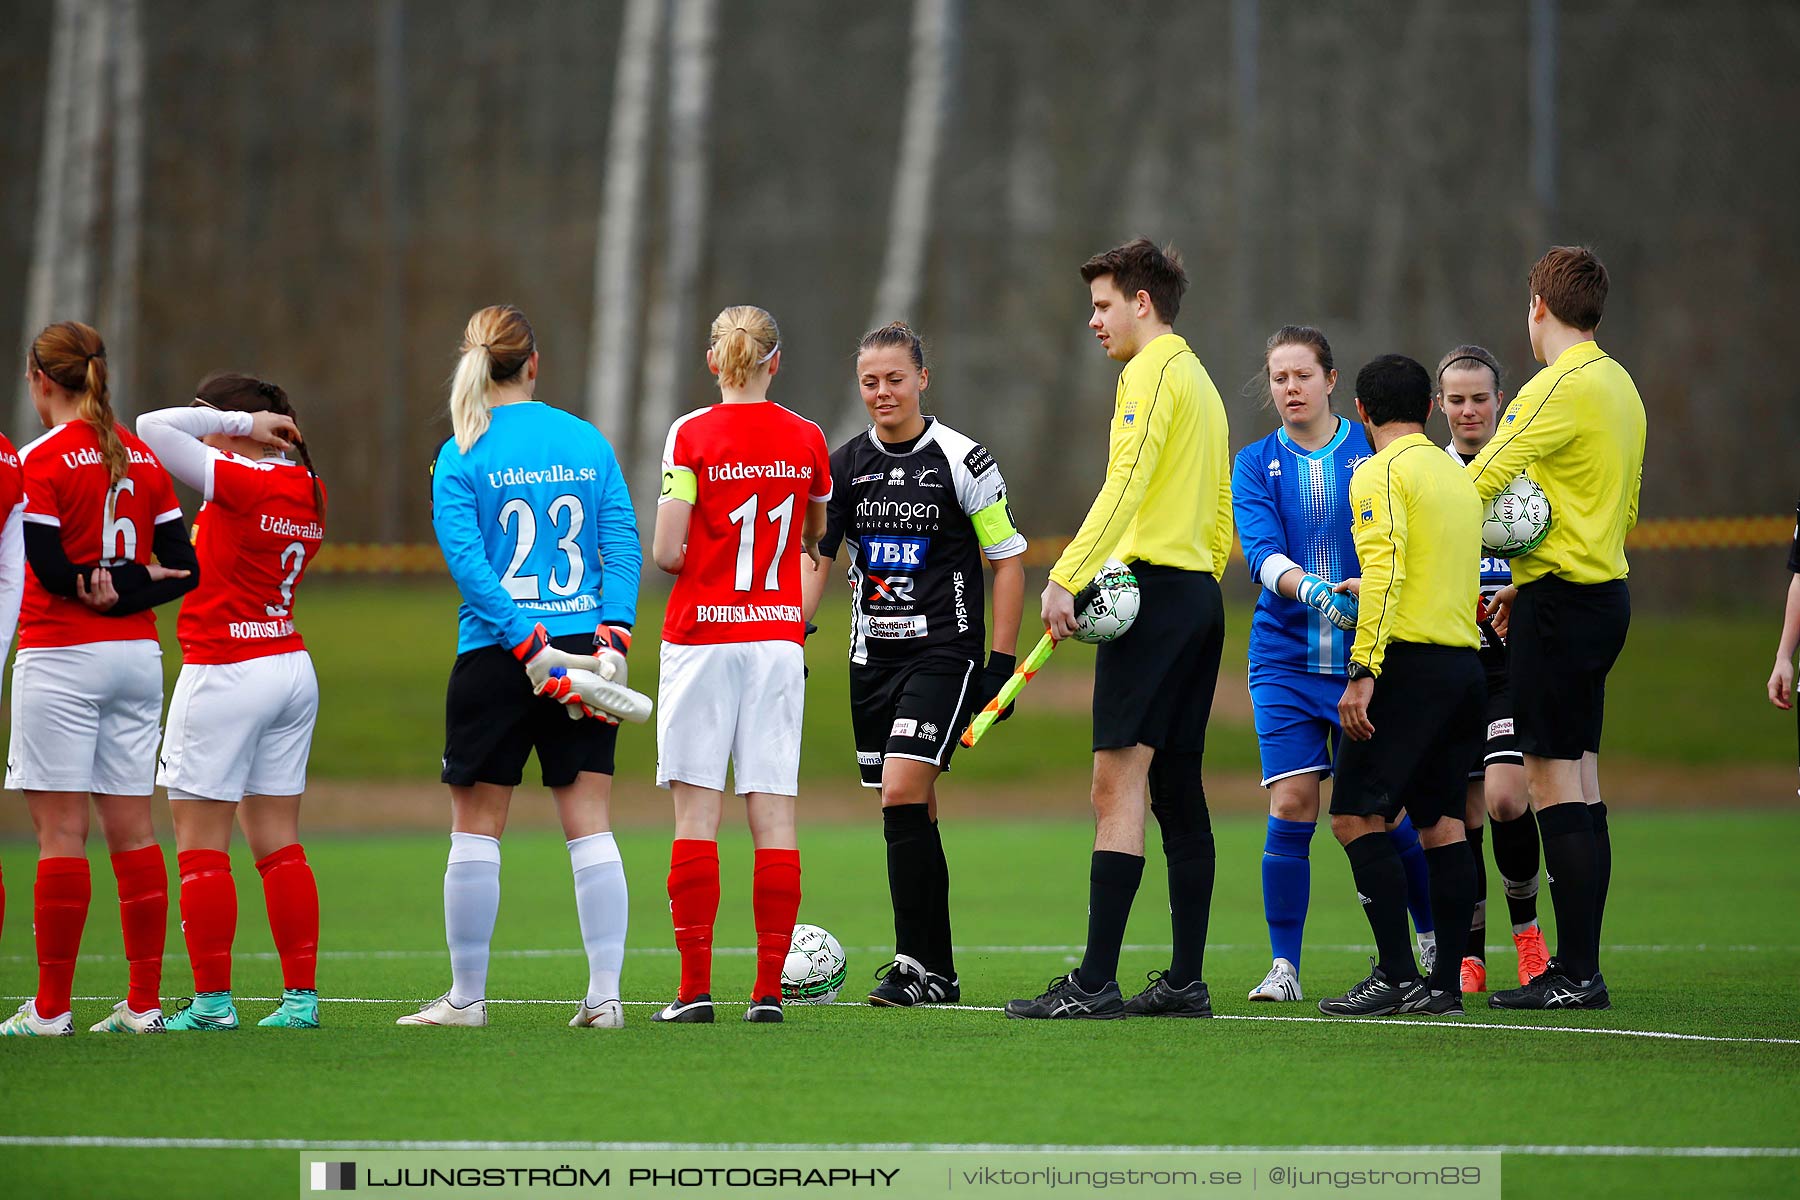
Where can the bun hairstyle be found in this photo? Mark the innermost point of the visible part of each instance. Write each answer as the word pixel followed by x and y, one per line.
pixel 228 391
pixel 744 339
pixel 496 344
pixel 73 357
pixel 895 333
pixel 1469 355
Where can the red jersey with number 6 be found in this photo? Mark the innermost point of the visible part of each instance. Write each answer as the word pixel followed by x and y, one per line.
pixel 255 536
pixel 67 486
pixel 749 470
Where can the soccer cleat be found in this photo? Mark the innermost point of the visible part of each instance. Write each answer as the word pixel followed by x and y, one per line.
pixel 766 1011
pixel 442 1012
pixel 1065 999
pixel 1428 1003
pixel 299 1010
pixel 206 1012
pixel 1164 999
pixel 1281 983
pixel 27 1023
pixel 698 1011
pixel 1553 989
pixel 1534 957
pixel 122 1020
pixel 608 1014
pixel 1376 996
pixel 1474 975
pixel 905 982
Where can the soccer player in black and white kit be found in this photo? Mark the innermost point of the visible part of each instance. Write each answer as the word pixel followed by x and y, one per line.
pixel 917 505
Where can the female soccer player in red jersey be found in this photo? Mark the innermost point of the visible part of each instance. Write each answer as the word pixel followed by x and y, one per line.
pixel 87 685
pixel 737 478
pixel 241 721
pixel 12 563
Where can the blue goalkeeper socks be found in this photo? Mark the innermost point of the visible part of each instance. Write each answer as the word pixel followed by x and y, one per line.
pixel 1287 885
pixel 1418 876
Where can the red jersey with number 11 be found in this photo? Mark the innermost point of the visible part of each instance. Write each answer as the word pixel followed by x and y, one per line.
pixel 254 537
pixel 749 470
pixel 67 486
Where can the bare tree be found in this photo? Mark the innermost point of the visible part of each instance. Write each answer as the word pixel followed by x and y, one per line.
pixel 690 102
pixel 48 236
pixel 389 460
pixel 119 315
pixel 921 144
pixel 612 346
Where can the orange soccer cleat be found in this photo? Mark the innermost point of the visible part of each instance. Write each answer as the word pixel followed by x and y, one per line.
pixel 1474 975
pixel 1534 959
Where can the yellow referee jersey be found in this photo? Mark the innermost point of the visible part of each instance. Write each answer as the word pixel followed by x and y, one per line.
pixel 1578 425
pixel 1167 497
pixel 1414 516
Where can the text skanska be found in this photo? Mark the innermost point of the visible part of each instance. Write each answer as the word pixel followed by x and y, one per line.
pixel 516 477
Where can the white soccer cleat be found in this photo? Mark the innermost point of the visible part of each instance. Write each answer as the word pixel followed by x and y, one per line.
pixel 608 1014
pixel 1281 983
pixel 441 1012
pixel 122 1020
pixel 27 1023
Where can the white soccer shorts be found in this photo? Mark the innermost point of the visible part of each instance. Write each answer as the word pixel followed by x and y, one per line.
pixel 740 701
pixel 85 718
pixel 241 729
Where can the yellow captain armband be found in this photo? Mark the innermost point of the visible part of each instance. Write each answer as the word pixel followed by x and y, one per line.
pixel 994 524
pixel 678 484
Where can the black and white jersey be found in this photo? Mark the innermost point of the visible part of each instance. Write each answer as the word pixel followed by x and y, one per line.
pixel 916 519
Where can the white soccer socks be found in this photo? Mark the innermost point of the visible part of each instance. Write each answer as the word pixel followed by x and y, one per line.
pixel 471 905
pixel 603 905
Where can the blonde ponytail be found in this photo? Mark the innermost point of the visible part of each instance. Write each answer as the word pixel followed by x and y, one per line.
pixel 744 339
pixel 496 344
pixel 73 356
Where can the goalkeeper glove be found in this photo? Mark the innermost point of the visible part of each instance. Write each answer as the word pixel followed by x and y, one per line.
pixel 611 644
pixel 1337 607
pixel 1000 668
pixel 538 656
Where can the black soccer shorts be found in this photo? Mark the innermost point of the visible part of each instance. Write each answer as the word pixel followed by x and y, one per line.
pixel 1428 709
pixel 1154 685
pixel 916 709
pixel 492 723
pixel 1564 638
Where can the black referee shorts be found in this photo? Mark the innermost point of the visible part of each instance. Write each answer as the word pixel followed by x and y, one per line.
pixel 1429 710
pixel 492 723
pixel 1154 686
pixel 1563 639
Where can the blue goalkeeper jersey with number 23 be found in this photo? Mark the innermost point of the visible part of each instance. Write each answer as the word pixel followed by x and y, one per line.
pixel 536 527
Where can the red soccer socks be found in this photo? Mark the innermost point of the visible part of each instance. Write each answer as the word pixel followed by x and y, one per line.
pixel 143 877
pixel 292 896
pixel 694 906
pixel 208 916
pixel 775 895
pixel 60 907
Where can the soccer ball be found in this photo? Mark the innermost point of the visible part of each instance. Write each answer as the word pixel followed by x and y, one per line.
pixel 1516 520
pixel 815 967
pixel 1112 605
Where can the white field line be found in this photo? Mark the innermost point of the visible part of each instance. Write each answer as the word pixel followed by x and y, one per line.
pixel 303 1144
pixel 1444 1024
pixel 669 951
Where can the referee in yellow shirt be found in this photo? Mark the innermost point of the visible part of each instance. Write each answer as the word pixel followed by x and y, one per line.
pixel 1415 710
pixel 1165 510
pixel 1578 428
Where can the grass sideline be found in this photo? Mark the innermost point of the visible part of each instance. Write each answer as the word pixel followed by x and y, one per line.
pixel 1688 691
pixel 849 1073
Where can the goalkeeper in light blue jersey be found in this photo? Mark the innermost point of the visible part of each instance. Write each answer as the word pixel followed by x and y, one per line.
pixel 536 527
pixel 1290 494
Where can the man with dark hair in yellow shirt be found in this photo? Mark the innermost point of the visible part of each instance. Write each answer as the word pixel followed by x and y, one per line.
pixel 1165 510
pixel 1415 710
pixel 1578 427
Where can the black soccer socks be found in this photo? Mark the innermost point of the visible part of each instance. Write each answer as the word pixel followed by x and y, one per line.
pixel 912 867
pixel 1113 880
pixel 1381 886
pixel 937 931
pixel 1602 870
pixel 1191 862
pixel 1452 870
pixel 1477 947
pixel 1572 862
pixel 1516 858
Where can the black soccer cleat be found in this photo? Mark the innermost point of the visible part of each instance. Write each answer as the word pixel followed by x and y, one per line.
pixel 766 1011
pixel 1435 1004
pixel 1552 990
pixel 1065 999
pixel 1163 999
pixel 698 1011
pixel 1376 996
pixel 905 983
